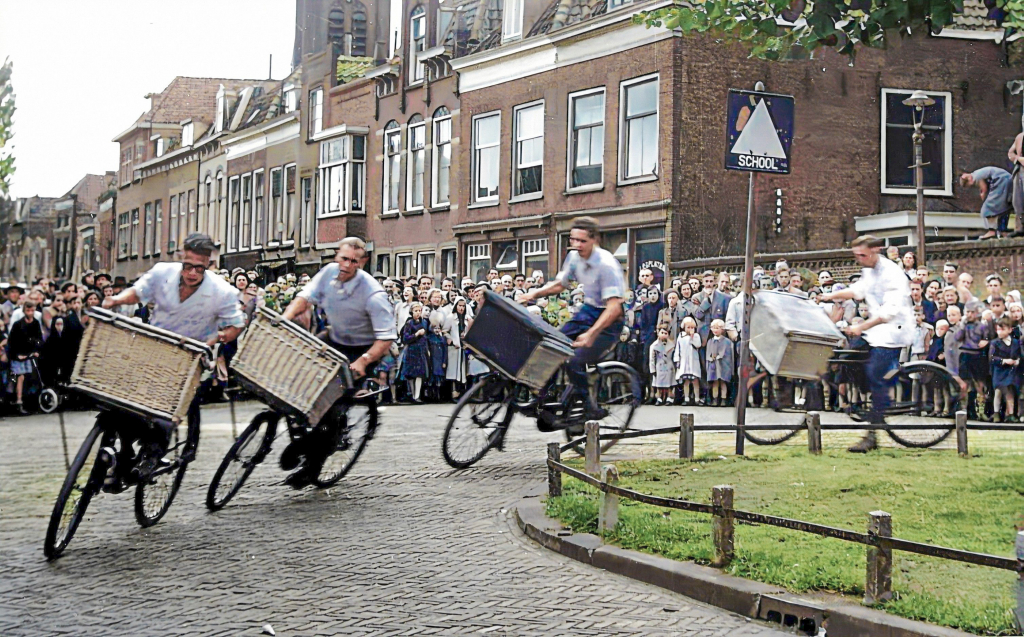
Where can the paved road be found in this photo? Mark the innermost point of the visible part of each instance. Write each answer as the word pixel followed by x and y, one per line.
pixel 402 546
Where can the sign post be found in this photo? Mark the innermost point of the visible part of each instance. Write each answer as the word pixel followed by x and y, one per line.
pixel 759 137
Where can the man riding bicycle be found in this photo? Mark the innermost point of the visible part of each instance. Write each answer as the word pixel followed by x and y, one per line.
pixel 889 328
pixel 190 304
pixel 361 325
pixel 598 322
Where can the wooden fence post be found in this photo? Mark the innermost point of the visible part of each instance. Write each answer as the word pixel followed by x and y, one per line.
pixel 608 507
pixel 685 435
pixel 961 434
pixel 554 475
pixel 878 587
pixel 1018 612
pixel 813 421
pixel 593 448
pixel 722 530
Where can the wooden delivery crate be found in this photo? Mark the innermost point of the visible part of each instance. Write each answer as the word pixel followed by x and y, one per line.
pixel 289 368
pixel 126 364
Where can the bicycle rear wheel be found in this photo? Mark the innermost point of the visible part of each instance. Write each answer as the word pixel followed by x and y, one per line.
pixel 920 387
pixel 251 447
pixel 478 422
pixel 348 439
pixel 618 391
pixel 154 493
pixel 83 481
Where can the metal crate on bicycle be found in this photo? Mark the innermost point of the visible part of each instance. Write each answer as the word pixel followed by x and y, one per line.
pixel 528 357
pixel 307 383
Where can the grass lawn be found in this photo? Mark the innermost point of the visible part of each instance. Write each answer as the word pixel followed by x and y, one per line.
pixel 933 497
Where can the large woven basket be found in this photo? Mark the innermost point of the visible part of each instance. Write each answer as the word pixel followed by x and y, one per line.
pixel 130 365
pixel 289 368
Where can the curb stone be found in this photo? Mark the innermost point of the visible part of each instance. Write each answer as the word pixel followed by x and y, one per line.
pixel 711 586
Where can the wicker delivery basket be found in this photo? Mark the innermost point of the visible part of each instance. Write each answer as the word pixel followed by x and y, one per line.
pixel 129 365
pixel 289 368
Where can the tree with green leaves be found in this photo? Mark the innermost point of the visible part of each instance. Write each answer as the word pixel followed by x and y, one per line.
pixel 772 28
pixel 6 130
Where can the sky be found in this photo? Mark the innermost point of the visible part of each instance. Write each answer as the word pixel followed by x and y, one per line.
pixel 82 67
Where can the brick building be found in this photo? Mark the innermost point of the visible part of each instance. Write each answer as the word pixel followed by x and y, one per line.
pixel 28 239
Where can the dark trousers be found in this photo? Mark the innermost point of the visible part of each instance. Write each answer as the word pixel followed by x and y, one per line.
pixel 582 321
pixel 351 352
pixel 881 362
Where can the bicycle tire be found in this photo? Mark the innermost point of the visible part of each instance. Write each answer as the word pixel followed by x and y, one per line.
pixel 57 536
pixel 921 376
pixel 348 443
pixel 154 494
pixel 619 391
pixel 767 438
pixel 478 422
pixel 49 400
pixel 215 498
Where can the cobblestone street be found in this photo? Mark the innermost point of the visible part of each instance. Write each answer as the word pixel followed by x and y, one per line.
pixel 402 546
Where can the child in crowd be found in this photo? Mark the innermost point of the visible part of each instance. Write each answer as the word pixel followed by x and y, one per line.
pixel 1004 360
pixel 937 354
pixel 974 335
pixel 416 363
pixel 922 336
pixel 438 346
pixel 386 370
pixel 720 358
pixel 662 368
pixel 687 360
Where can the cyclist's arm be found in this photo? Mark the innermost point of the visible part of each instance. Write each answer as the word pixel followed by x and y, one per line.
pixel 298 305
pixel 128 297
pixel 551 287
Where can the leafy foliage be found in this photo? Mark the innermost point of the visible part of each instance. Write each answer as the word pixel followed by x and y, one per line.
pixel 6 130
pixel 774 27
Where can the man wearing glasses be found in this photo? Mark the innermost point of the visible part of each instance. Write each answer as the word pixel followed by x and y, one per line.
pixel 188 303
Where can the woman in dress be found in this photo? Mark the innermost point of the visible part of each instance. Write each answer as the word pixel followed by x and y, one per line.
pixel 416 356
pixel 456 326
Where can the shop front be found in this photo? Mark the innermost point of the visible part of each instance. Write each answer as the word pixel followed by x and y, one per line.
pixel 635 249
pixel 511 246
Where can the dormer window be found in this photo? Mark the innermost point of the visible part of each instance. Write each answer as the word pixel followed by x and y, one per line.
pixel 512 20
pixel 417 41
pixel 187 133
pixel 159 145
pixel 291 98
pixel 218 125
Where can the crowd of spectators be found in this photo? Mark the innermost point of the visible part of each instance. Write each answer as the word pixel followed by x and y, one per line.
pixel 680 335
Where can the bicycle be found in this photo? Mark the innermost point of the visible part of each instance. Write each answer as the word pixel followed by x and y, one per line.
pixel 346 429
pixel 93 470
pixel 483 414
pixel 915 385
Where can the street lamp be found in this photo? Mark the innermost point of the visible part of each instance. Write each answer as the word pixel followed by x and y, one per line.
pixel 918 100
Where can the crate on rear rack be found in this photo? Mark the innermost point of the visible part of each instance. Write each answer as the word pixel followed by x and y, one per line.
pixel 289 368
pixel 126 364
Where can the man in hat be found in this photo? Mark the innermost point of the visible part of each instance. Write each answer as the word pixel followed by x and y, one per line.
pixel 361 324
pixel 102 279
pixel 187 302
pixel 13 293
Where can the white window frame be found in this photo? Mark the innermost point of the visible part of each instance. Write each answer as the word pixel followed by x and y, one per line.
pixel 453 252
pixel 172 223
pixel 516 162
pixel 188 132
pixel 435 162
pixel 158 217
pixel 347 165
pixel 511 20
pixel 410 166
pixel 477 252
pixel 618 4
pixel 623 150
pixel 570 154
pixel 532 248
pixel 316 111
pixel 476 161
pixel 123 219
pixel 388 158
pixel 407 258
pixel 291 98
pixel 221 222
pixel 147 230
pixel 947 150
pixel 133 235
pixel 259 206
pixel 234 212
pixel 245 229
pixel 206 222
pixel 431 256
pixel 289 209
pixel 307 211
pixel 417 45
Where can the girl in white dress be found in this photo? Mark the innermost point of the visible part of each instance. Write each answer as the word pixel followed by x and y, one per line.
pixel 687 360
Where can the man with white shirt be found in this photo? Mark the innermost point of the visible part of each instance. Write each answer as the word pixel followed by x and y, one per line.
pixel 889 328
pixel 190 304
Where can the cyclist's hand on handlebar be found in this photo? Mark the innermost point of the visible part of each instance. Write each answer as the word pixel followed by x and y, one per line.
pixel 586 339
pixel 526 299
pixel 358 368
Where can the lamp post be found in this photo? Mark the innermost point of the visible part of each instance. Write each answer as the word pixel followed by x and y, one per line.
pixel 918 100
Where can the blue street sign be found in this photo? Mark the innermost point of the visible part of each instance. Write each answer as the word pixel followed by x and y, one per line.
pixel 759 133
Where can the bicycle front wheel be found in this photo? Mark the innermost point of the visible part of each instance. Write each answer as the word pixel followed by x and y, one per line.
pixel 84 480
pixel 251 447
pixel 617 389
pixel 478 422
pixel 350 435
pixel 154 493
